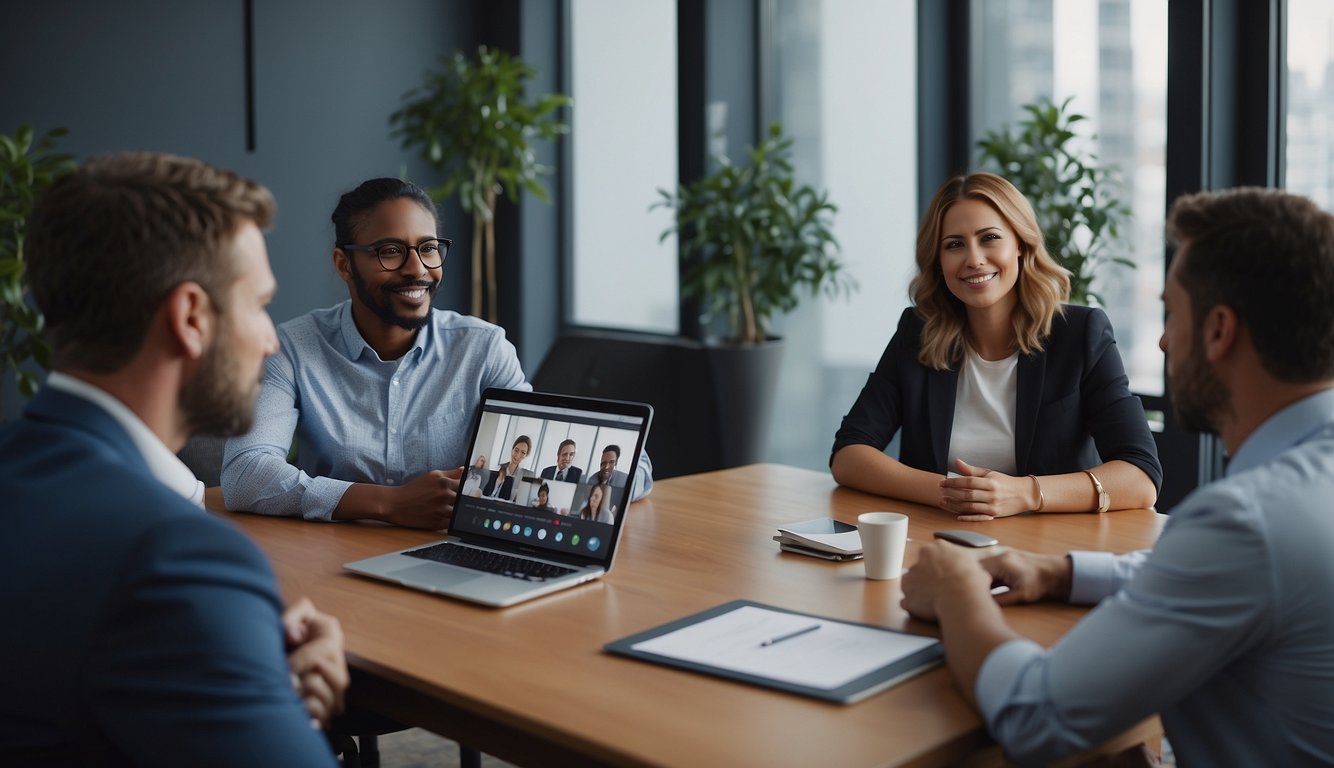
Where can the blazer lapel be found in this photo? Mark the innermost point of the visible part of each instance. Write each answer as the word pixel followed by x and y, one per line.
pixel 1032 375
pixel 941 390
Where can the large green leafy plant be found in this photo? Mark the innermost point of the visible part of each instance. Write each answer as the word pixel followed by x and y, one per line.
pixel 1075 199
pixel 471 121
pixel 752 238
pixel 28 165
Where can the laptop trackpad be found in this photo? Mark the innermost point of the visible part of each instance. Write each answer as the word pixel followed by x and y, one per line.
pixel 434 575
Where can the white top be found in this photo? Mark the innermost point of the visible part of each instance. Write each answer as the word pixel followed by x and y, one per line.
pixel 983 431
pixel 165 466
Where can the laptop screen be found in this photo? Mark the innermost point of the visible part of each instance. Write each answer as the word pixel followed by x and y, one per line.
pixel 551 474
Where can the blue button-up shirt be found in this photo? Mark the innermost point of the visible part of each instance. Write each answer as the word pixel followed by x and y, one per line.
pixel 360 419
pixel 1225 628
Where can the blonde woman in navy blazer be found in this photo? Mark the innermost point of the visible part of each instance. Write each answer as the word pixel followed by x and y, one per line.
pixel 986 286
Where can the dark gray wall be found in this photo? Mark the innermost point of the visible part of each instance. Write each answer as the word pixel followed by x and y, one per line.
pixel 328 74
pixel 169 76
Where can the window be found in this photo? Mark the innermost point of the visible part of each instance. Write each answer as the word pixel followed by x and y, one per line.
pixel 1310 138
pixel 846 91
pixel 623 149
pixel 1110 55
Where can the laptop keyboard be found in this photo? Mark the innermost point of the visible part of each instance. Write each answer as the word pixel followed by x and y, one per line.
pixel 491 562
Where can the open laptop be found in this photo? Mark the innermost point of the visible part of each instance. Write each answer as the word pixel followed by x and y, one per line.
pixel 517 535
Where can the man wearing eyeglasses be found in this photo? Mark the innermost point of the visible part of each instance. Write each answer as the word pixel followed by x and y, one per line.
pixel 378 391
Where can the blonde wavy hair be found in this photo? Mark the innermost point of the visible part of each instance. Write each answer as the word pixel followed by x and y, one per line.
pixel 1043 285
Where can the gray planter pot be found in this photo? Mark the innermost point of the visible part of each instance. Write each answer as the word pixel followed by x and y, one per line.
pixel 745 386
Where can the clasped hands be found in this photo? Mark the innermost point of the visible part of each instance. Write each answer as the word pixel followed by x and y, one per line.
pixel 315 657
pixel 981 494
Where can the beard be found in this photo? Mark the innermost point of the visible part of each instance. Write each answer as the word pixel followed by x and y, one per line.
pixel 382 306
pixel 216 401
pixel 1199 398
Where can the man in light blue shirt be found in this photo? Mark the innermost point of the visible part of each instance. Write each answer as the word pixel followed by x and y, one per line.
pixel 1226 627
pixel 380 391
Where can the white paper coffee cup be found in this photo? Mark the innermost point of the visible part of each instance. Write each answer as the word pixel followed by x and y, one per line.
pixel 884 536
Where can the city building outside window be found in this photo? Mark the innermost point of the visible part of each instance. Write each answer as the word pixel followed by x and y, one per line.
pixel 1309 165
pixel 1111 56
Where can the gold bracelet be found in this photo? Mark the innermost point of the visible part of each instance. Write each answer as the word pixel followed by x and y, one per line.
pixel 1104 498
pixel 1042 499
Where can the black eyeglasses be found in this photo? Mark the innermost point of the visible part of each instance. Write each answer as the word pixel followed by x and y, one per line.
pixel 393 254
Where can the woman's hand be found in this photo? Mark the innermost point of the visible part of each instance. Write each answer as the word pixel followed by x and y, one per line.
pixel 981 494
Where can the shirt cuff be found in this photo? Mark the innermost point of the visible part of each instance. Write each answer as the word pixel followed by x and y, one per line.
pixel 641 486
pixel 1093 577
pixel 321 498
pixel 998 678
pixel 643 482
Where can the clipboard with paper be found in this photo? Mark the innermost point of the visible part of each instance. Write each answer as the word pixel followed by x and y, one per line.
pixel 801 653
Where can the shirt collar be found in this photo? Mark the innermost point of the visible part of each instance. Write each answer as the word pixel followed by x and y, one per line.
pixel 1290 426
pixel 165 466
pixel 354 345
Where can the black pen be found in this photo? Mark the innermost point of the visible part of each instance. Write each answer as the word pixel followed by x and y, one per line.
pixel 789 635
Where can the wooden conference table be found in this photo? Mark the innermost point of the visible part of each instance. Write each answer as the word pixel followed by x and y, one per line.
pixel 530 684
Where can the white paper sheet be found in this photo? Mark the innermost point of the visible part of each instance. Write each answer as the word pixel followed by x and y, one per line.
pixel 829 657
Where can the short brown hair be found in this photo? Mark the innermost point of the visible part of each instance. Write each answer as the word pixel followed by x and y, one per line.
pixel 1042 285
pixel 1269 256
pixel 108 242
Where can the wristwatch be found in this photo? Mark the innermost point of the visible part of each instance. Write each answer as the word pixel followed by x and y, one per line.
pixel 1104 499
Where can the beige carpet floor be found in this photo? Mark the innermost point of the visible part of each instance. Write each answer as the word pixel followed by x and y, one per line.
pixel 418 748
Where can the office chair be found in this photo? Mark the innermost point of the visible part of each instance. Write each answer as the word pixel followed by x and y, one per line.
pixel 711 404
pixel 672 374
pixel 203 455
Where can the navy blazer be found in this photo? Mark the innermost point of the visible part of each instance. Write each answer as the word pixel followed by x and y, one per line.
pixel 506 492
pixel 572 473
pixel 139 629
pixel 1074 409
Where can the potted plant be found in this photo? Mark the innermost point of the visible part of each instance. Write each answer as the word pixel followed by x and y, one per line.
pixel 752 240
pixel 473 124
pixel 27 168
pixel 1074 198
